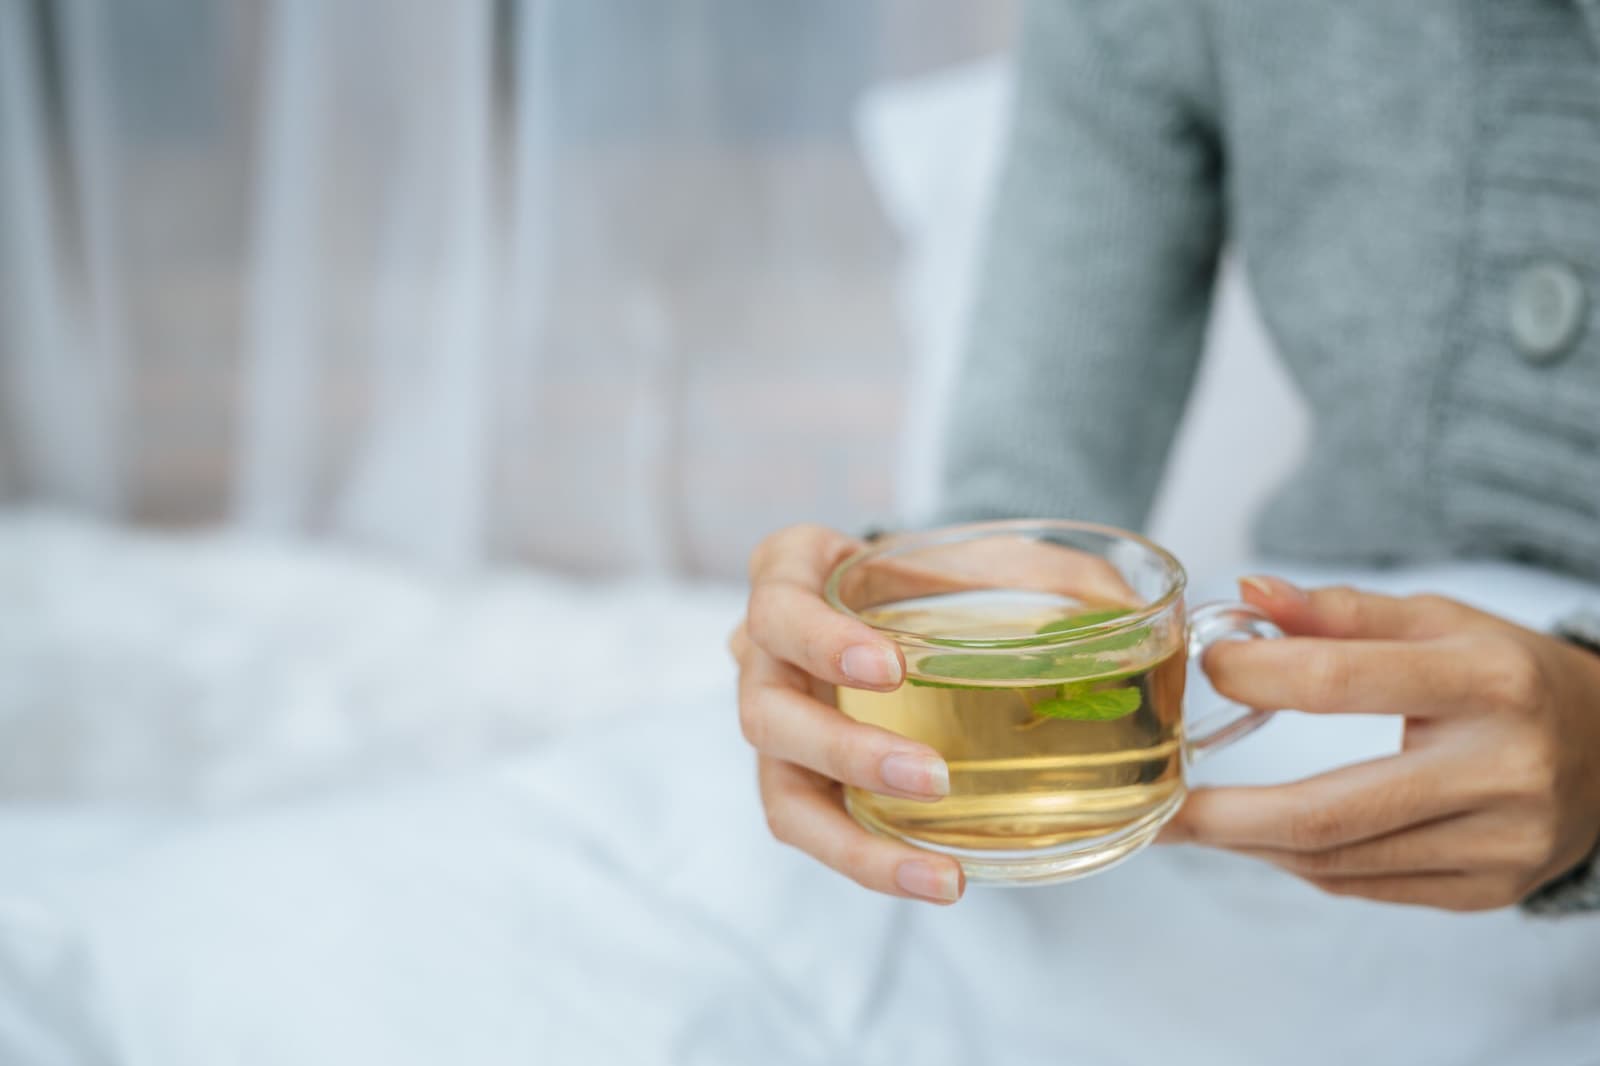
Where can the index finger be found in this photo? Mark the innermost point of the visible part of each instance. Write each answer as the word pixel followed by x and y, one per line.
pixel 993 562
pixel 803 554
pixel 1343 611
pixel 788 618
pixel 1414 678
pixel 1343 806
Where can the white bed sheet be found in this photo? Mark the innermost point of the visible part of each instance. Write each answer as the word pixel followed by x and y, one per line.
pixel 611 896
pixel 216 672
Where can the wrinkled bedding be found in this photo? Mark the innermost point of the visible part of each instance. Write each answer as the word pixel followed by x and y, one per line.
pixel 300 808
pixel 216 672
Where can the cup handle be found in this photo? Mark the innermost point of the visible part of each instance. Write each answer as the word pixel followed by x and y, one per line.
pixel 1208 624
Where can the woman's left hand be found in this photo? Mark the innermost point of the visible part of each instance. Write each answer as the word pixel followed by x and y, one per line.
pixel 1496 790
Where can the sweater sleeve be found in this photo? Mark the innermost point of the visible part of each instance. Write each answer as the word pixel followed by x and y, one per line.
pixel 1097 276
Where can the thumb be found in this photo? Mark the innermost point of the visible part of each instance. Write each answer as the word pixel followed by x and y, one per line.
pixel 1340 611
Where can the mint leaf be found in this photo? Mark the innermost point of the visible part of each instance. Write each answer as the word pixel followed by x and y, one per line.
pixel 1081 620
pixel 1079 706
pixel 1095 645
pixel 973 667
pixel 970 670
pixel 1114 642
pixel 1067 666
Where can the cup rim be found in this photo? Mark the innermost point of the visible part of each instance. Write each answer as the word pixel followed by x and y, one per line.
pixel 974 530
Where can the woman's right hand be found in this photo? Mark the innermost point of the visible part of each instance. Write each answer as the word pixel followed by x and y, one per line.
pixel 792 650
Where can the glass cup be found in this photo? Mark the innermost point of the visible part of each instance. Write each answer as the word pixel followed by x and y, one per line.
pixel 1046 661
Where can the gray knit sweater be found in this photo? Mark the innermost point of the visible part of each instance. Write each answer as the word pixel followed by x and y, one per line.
pixel 1415 187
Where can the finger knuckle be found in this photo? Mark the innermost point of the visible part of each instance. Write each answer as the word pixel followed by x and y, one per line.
pixel 1504 891
pixel 1345 604
pixel 839 755
pixel 739 642
pixel 1536 847
pixel 1513 677
pixel 1551 772
pixel 1316 863
pixel 1471 903
pixel 1315 826
pixel 761 556
pixel 821 649
pixel 1534 769
pixel 1328 671
pixel 753 721
pixel 764 613
pixel 854 860
pixel 773 547
pixel 1333 886
pixel 780 823
pixel 781 544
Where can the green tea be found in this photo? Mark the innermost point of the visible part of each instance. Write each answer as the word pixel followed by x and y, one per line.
pixel 1048 743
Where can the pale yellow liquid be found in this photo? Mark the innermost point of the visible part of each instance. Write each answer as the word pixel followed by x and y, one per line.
pixel 1019 781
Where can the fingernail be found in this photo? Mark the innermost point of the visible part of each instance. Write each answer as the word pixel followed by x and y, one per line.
pixel 938 882
pixel 922 775
pixel 870 664
pixel 1275 587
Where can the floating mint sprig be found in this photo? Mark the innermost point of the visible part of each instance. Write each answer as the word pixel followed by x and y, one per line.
pixel 969 670
pixel 1084 659
pixel 970 666
pixel 1082 620
pixel 1077 705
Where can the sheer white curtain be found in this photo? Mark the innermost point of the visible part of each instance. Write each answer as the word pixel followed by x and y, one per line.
pixel 595 283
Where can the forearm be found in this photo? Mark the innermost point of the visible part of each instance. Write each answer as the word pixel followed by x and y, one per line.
pixel 1097 278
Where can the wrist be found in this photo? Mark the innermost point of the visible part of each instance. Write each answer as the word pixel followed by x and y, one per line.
pixel 1579 888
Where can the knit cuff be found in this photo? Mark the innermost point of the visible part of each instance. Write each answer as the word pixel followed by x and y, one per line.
pixel 1579 888
pixel 1575 891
